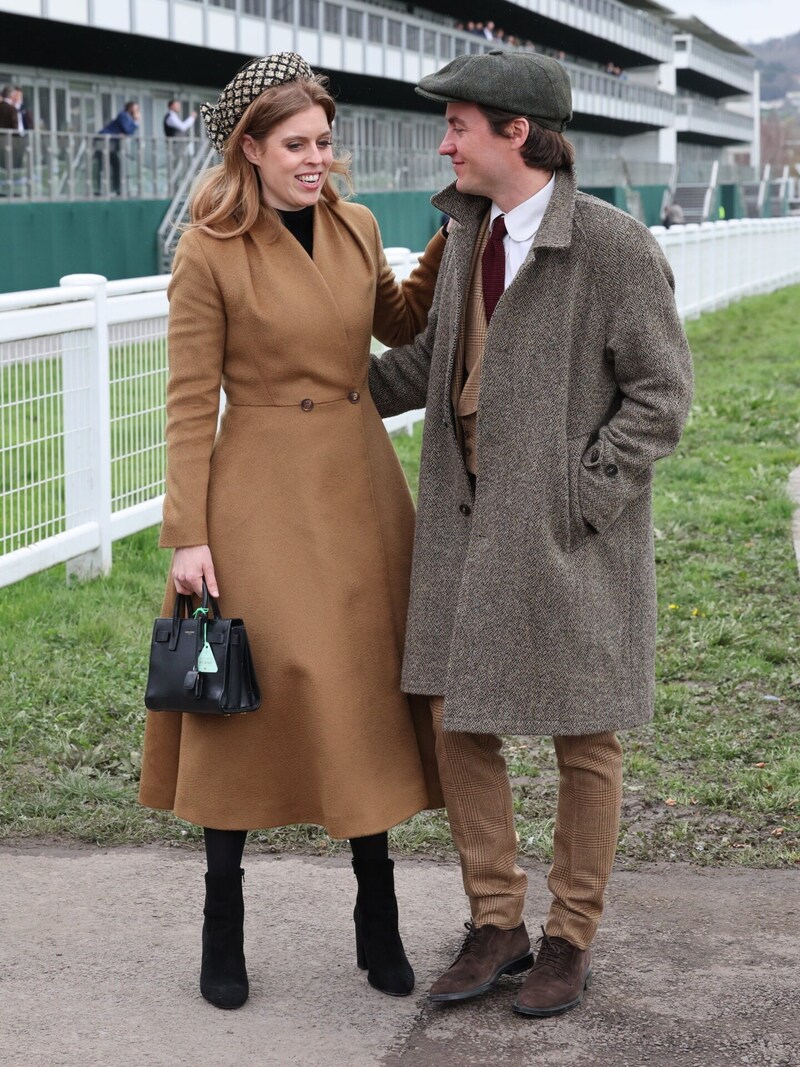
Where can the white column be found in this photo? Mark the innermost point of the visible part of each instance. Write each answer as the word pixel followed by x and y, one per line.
pixel 87 434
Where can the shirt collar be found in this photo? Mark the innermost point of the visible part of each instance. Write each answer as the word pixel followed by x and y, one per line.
pixel 523 222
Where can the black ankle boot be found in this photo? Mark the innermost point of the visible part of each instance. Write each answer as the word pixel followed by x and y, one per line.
pixel 223 978
pixel 379 950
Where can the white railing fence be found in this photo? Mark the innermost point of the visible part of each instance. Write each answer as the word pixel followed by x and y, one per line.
pixel 83 372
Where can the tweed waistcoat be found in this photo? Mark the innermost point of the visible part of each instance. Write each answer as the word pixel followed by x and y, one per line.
pixel 469 358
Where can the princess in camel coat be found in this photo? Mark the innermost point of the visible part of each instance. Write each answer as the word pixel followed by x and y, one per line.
pixel 296 510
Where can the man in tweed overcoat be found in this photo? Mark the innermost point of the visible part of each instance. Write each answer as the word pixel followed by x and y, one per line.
pixel 555 371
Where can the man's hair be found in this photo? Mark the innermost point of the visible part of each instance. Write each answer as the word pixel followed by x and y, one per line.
pixel 8 90
pixel 544 149
pixel 131 104
pixel 171 102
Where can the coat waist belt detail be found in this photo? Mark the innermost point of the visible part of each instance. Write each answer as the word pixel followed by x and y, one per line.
pixel 305 403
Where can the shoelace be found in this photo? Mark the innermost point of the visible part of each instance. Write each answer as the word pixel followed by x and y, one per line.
pixel 553 954
pixel 469 941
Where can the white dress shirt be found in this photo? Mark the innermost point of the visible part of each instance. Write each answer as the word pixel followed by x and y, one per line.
pixel 521 226
pixel 179 124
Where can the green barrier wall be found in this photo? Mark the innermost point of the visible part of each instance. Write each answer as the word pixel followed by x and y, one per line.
pixel 613 194
pixel 732 200
pixel 407 220
pixel 43 242
pixel 652 197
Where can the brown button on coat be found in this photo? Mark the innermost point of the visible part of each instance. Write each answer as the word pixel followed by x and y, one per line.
pixel 533 604
pixel 310 523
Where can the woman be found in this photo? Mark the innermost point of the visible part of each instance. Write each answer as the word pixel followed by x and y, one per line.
pixel 296 514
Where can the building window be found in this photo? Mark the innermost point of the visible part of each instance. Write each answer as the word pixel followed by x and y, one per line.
pixel 309 14
pixel 333 18
pixel 283 10
pixel 355 23
pixel 229 4
pixel 394 33
pixel 254 7
pixel 412 38
pixel 375 28
pixel 445 46
pixel 429 39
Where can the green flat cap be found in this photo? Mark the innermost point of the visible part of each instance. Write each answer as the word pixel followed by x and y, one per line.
pixel 522 83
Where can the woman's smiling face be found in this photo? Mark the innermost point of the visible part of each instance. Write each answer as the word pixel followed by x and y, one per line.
pixel 294 159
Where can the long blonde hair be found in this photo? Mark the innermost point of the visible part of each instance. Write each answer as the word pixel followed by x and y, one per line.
pixel 231 192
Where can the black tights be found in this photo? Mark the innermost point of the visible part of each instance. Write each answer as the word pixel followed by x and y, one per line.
pixel 224 849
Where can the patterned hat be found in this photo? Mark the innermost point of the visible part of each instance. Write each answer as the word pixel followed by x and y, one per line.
pixel 250 82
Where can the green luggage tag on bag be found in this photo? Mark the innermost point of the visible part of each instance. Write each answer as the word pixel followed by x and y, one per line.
pixel 206 663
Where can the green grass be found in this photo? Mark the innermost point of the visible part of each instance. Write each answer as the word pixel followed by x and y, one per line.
pixel 715 778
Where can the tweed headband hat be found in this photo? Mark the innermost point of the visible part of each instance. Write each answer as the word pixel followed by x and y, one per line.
pixel 249 83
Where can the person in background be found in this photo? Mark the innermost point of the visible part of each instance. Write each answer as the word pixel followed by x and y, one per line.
pixel 124 125
pixel 9 120
pixel 555 372
pixel 296 514
pixel 174 125
pixel 24 117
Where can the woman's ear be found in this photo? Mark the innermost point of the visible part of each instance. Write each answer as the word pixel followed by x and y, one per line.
pixel 250 149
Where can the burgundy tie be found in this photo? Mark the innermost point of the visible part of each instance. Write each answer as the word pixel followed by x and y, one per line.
pixel 493 266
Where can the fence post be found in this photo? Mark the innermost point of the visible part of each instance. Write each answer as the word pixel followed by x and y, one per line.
pixel 87 434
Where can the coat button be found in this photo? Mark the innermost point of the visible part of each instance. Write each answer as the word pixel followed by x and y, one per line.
pixel 465 509
pixel 612 470
pixel 306 404
pixel 354 397
pixel 594 455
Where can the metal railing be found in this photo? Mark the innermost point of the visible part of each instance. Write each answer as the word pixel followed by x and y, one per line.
pixel 711 119
pixel 695 54
pixel 301 26
pixel 42 165
pixel 83 375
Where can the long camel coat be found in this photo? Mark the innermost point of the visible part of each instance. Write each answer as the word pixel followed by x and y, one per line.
pixel 310 523
pixel 533 604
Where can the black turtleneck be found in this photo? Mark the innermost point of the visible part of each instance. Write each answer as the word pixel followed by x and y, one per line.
pixel 301 225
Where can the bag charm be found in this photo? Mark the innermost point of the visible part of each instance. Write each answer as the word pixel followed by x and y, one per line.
pixel 205 661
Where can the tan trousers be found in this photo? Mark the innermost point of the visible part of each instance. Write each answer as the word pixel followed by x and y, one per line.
pixel 477 793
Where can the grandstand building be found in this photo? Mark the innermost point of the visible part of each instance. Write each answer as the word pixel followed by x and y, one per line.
pixel 665 108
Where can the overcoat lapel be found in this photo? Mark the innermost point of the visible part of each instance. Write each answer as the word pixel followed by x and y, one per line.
pixel 468 212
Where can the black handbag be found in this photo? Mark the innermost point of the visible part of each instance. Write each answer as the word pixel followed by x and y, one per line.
pixel 200 662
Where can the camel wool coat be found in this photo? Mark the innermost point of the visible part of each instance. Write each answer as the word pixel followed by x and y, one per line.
pixel 310 523
pixel 533 605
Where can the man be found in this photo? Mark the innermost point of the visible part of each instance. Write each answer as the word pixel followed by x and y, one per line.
pixel 12 144
pixel 555 372
pixel 125 124
pixel 24 117
pixel 9 119
pixel 174 125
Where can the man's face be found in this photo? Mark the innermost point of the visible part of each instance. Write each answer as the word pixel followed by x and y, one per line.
pixel 175 106
pixel 473 146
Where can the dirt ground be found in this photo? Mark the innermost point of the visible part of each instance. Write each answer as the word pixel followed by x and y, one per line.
pixel 99 957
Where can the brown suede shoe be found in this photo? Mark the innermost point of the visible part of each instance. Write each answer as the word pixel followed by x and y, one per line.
pixel 487 953
pixel 557 980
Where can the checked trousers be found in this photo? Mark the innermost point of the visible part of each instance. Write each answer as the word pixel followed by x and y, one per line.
pixel 477 792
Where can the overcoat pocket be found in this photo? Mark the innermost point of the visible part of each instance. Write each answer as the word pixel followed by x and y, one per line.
pixel 579 530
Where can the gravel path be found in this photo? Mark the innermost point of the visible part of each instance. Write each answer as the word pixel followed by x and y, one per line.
pixel 99 954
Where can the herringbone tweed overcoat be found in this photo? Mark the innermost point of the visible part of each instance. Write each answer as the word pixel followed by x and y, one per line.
pixel 533 600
